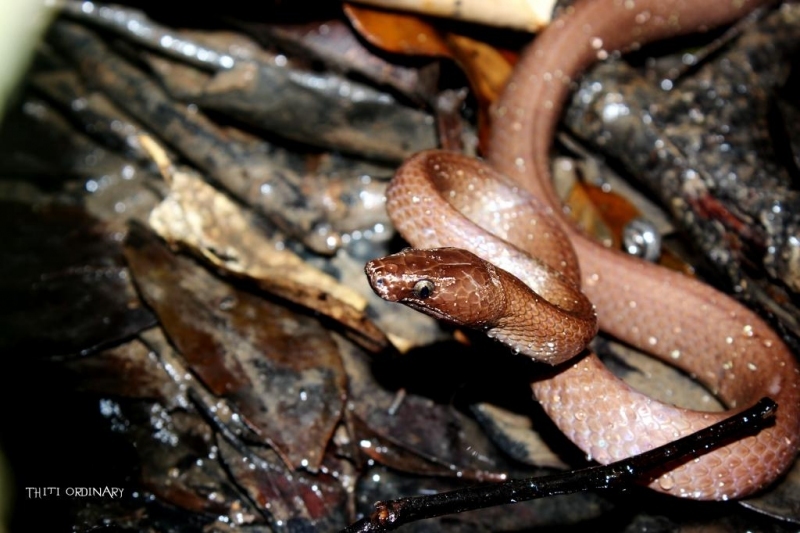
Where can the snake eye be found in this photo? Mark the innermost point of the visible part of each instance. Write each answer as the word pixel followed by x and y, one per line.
pixel 423 288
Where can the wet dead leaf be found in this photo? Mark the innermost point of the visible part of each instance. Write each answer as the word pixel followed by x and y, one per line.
pixel 64 287
pixel 605 214
pixel 178 461
pixel 590 216
pixel 130 370
pixel 280 370
pixel 384 450
pixel 200 218
pixel 440 440
pixel 309 502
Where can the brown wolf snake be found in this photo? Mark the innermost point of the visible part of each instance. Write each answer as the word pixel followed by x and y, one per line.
pixel 521 281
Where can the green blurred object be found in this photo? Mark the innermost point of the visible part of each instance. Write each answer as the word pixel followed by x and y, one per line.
pixel 21 24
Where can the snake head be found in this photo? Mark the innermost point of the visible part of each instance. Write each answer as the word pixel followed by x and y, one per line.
pixel 446 283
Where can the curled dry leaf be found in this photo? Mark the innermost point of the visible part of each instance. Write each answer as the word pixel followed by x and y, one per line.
pixel 487 70
pixel 397 32
pixel 486 67
pixel 605 210
pixel 207 222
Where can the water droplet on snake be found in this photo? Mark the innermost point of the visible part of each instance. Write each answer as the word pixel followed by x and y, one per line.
pixel 666 482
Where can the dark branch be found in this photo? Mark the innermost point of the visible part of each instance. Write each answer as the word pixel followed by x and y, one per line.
pixel 391 514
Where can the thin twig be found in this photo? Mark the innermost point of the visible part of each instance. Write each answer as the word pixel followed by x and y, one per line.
pixel 391 514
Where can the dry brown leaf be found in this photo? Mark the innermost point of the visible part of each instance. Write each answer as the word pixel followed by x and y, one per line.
pixel 486 67
pixel 605 214
pixel 487 70
pixel 197 216
pixel 397 32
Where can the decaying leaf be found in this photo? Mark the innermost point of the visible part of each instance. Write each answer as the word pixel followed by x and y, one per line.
pixel 65 286
pixel 207 222
pixel 247 407
pixel 179 463
pixel 279 369
pixel 131 370
pixel 291 500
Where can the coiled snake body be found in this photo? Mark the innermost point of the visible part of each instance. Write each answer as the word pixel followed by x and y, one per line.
pixel 508 214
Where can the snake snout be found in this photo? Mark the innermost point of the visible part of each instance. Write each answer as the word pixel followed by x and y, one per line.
pixel 379 275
